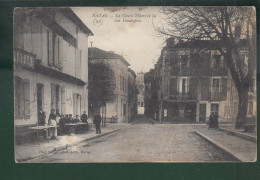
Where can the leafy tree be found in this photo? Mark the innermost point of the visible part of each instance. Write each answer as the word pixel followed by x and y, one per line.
pixel 229 25
pixel 102 84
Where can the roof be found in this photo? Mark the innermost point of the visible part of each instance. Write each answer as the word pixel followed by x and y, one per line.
pixel 67 12
pixel 96 53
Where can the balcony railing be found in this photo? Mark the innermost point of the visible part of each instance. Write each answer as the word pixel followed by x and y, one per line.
pixel 24 58
pixel 183 96
pixel 217 96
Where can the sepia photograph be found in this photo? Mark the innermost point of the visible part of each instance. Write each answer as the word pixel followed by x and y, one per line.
pixel 135 84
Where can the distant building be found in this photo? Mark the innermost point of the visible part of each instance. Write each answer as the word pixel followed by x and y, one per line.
pixel 118 108
pixel 141 91
pixel 50 63
pixel 188 83
pixel 132 95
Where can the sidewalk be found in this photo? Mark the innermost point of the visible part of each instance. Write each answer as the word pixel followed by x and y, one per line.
pixel 231 127
pixel 33 150
pixel 244 149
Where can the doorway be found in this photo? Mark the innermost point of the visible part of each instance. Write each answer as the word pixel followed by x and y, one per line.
pixel 202 115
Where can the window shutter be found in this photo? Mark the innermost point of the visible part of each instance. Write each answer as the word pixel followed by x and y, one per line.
pixel 63 103
pixel 53 96
pixel 50 50
pixel 56 50
pixel 26 91
pixel 223 85
pixel 60 52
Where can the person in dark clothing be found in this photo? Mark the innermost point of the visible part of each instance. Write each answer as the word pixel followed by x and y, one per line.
pixel 70 119
pixel 211 121
pixel 41 117
pixel 76 120
pixel 84 117
pixel 97 121
pixel 215 117
pixel 62 124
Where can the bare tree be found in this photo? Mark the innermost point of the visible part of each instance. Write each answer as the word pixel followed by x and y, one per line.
pixel 230 26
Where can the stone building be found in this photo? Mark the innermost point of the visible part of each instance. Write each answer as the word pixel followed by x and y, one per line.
pixel 119 107
pixel 50 63
pixel 141 91
pixel 189 82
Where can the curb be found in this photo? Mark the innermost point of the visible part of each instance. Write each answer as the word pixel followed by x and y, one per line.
pixel 240 135
pixel 234 156
pixel 59 148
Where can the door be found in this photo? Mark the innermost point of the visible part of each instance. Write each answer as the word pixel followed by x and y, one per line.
pixel 214 108
pixel 202 115
pixel 39 96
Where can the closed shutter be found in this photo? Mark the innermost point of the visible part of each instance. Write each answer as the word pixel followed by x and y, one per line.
pixel 60 52
pixel 78 64
pixel 173 86
pixel 26 88
pixel 50 48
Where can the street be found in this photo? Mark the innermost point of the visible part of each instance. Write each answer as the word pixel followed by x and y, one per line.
pixel 143 142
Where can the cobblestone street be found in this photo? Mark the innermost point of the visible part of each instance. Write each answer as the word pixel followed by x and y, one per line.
pixel 144 143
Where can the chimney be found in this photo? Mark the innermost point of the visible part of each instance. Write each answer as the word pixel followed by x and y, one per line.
pixel 91 44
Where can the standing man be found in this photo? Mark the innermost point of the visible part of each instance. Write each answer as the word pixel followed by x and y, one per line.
pixel 84 119
pixel 97 121
pixel 41 117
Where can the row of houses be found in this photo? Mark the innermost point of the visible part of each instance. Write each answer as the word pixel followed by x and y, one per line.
pixel 51 57
pixel 190 81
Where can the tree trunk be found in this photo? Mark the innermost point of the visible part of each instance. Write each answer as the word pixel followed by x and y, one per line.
pixel 242 107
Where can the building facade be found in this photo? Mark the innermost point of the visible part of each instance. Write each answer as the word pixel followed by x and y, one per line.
pixel 50 63
pixel 141 92
pixel 189 82
pixel 117 109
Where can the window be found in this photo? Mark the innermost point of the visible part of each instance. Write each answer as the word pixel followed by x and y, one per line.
pixel 22 98
pixel 214 108
pixel 250 108
pixel 183 85
pixel 54 47
pixel 216 62
pixel 216 85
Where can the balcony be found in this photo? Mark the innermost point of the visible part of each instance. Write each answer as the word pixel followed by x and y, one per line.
pixel 216 96
pixel 24 58
pixel 183 96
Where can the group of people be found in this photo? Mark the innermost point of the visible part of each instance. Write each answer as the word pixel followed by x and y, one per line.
pixel 213 121
pixel 63 120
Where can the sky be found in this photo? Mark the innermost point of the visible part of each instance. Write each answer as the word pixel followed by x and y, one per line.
pixel 126 31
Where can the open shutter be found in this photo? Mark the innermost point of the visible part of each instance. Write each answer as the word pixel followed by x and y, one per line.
pixel 63 103
pixel 50 48
pixel 56 50
pixel 60 52
pixel 223 86
pixel 53 96
pixel 26 91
